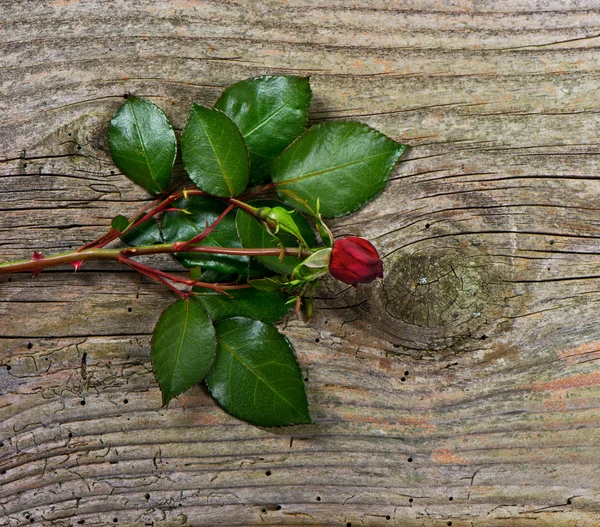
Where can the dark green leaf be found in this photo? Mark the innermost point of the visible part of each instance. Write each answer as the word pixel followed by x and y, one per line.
pixel 268 307
pixel 214 153
pixel 345 164
pixel 253 235
pixel 270 112
pixel 183 347
pixel 147 233
pixel 119 223
pixel 213 277
pixel 255 376
pixel 271 283
pixel 142 144
pixel 257 270
pixel 195 273
pixel 183 226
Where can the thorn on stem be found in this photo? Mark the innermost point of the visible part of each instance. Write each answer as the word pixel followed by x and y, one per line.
pixel 77 264
pixel 37 256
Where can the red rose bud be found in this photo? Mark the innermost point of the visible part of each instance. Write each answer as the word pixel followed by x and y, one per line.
pixel 355 261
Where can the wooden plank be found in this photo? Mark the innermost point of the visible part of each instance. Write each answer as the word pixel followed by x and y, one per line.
pixel 462 390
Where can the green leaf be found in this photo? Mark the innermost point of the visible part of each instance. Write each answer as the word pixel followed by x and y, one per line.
pixel 272 283
pixel 253 235
pixel 142 144
pixel 344 164
pixel 214 153
pixel 183 226
pixel 255 376
pixel 183 347
pixel 147 233
pixel 119 223
pixel 313 267
pixel 270 112
pixel 268 307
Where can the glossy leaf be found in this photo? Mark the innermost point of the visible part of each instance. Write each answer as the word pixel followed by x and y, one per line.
pixel 256 376
pixel 270 112
pixel 147 233
pixel 183 347
pixel 253 235
pixel 183 226
pixel 119 223
pixel 270 283
pixel 214 153
pixel 344 164
pixel 268 307
pixel 142 144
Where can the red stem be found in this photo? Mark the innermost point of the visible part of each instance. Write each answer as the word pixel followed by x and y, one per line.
pixel 159 206
pixel 157 274
pixel 208 230
pixel 32 265
pixel 152 274
pixel 113 234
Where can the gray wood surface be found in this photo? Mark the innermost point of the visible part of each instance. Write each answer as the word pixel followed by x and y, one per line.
pixel 461 391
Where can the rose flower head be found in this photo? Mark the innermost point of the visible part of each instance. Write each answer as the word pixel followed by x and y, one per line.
pixel 355 261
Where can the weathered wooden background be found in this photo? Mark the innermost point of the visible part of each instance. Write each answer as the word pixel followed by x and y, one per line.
pixel 469 398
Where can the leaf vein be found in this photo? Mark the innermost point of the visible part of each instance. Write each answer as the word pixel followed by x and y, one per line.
pixel 269 117
pixel 330 169
pixel 223 171
pixel 144 149
pixel 258 375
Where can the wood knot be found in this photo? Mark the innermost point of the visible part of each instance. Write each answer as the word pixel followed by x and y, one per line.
pixel 430 290
pixel 438 298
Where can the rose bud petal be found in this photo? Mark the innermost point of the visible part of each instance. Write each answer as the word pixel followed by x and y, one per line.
pixel 355 261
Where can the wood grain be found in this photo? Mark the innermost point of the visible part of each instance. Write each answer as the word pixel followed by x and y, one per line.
pixel 463 390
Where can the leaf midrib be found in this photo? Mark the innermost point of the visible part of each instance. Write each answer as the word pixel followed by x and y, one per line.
pixel 180 345
pixel 269 117
pixel 223 171
pixel 144 150
pixel 330 169
pixel 257 374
